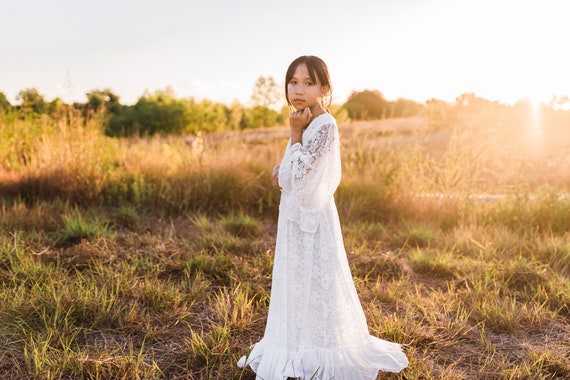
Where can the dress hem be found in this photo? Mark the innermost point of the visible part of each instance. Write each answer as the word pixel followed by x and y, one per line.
pixel 270 361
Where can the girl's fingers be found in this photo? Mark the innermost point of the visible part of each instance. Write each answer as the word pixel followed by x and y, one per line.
pixel 305 115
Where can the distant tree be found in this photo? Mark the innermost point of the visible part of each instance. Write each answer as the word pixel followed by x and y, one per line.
pixel 31 101
pixel 160 113
pixel 405 108
pixel 260 116
pixel 266 93
pixel 440 114
pixel 235 116
pixel 472 102
pixel 4 103
pixel 207 116
pixel 367 105
pixel 339 113
pixel 559 102
pixel 104 100
pixel 57 108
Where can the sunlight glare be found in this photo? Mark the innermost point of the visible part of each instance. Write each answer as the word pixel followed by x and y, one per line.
pixel 534 123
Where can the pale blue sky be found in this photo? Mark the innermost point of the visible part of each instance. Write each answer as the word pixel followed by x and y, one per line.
pixel 216 49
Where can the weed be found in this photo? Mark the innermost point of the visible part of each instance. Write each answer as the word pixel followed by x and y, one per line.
pixel 76 228
pixel 436 264
pixel 241 225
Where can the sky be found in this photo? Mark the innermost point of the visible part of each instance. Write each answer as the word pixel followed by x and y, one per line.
pixel 501 50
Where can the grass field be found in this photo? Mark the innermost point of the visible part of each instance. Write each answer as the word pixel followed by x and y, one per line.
pixel 151 257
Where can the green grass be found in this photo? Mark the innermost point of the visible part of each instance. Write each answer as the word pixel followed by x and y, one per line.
pixel 76 228
pixel 139 259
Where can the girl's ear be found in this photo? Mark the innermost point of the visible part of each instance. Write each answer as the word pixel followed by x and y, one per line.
pixel 325 90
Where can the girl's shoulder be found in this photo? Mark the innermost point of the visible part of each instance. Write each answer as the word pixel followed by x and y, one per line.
pixel 321 125
pixel 323 119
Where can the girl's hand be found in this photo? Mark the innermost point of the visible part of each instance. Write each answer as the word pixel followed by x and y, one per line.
pixel 275 178
pixel 298 121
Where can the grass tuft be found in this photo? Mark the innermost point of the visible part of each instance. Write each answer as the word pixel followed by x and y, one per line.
pixel 77 228
pixel 241 225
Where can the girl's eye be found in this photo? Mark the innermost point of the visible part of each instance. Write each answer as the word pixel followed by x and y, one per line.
pixel 309 84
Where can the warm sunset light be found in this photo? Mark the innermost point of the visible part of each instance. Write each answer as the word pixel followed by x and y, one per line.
pixel 535 123
pixel 165 214
pixel 500 50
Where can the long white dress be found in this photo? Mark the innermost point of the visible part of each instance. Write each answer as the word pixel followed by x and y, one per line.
pixel 316 328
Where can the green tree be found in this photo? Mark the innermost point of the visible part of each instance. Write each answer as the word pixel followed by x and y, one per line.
pixel 31 101
pixel 267 105
pixel 160 113
pixel 207 116
pixel 103 100
pixel 57 108
pixel 5 105
pixel 260 116
pixel 367 105
pixel 266 93
pixel 235 116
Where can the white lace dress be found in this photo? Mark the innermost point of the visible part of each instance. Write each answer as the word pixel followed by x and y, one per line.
pixel 316 328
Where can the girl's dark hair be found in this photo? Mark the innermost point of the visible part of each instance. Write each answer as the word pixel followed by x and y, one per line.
pixel 317 69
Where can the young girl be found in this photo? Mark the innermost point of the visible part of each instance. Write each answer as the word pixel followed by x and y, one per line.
pixel 316 328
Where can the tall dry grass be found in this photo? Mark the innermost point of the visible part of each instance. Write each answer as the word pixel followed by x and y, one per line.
pixel 72 161
pixel 386 166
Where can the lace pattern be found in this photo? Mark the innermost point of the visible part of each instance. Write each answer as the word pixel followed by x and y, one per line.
pixel 310 173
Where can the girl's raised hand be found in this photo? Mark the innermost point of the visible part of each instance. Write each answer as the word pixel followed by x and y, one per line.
pixel 297 122
pixel 300 119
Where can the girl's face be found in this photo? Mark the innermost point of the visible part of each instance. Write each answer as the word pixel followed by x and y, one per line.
pixel 302 91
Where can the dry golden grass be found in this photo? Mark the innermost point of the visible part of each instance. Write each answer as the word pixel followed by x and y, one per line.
pixel 151 258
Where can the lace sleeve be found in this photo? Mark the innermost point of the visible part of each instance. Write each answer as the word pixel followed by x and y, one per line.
pixel 304 163
pixel 309 175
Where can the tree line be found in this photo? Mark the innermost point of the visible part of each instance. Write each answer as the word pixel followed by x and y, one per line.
pixel 162 112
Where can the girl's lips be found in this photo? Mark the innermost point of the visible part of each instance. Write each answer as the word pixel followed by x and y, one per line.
pixel 298 100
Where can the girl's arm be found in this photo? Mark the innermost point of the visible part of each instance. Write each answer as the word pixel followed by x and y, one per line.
pixel 302 170
pixel 310 174
pixel 298 121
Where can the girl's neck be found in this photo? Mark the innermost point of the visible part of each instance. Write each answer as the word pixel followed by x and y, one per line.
pixel 317 109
